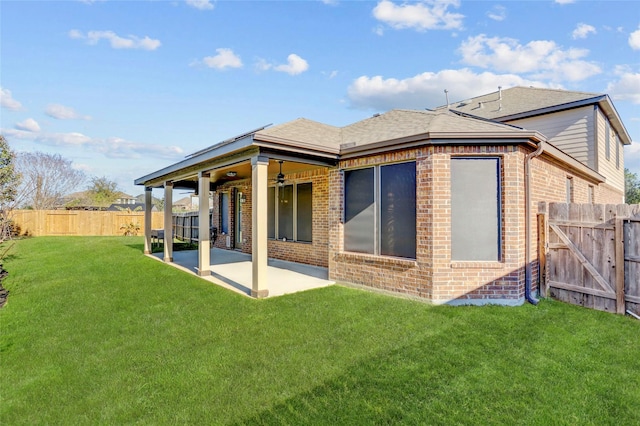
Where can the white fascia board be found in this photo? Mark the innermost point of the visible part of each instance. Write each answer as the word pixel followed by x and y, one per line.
pixel 226 149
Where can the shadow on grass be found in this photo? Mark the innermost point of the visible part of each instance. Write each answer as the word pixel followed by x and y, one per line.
pixel 458 377
pixel 177 246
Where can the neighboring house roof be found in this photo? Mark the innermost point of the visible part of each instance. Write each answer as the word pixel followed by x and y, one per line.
pixel 127 207
pixel 521 102
pixel 184 202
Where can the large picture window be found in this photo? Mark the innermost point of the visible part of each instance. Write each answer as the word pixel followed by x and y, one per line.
pixel 289 213
pixel 475 209
pixel 380 210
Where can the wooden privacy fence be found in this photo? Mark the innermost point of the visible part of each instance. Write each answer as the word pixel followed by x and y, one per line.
pixel 80 222
pixel 590 255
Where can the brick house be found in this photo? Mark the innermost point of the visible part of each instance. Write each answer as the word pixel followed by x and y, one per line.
pixel 438 205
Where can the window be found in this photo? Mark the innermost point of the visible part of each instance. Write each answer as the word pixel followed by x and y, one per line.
pixel 289 213
pixel 569 189
pixel 224 213
pixel 304 212
pixel 380 210
pixel 271 212
pixel 285 212
pixel 617 142
pixel 591 194
pixel 475 209
pixel 607 141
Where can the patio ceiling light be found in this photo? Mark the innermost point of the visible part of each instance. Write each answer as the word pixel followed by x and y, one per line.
pixel 232 173
pixel 280 178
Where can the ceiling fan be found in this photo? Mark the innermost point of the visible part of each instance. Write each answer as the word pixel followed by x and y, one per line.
pixel 280 177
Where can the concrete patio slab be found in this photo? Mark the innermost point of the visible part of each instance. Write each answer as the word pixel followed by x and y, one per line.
pixel 232 270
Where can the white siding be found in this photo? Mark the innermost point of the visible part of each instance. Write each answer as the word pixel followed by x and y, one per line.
pixel 571 131
pixel 607 167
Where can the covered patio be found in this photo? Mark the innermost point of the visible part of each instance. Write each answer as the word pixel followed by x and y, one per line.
pixel 232 270
pixel 263 162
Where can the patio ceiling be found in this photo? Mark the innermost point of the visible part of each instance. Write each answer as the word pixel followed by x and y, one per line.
pixel 242 170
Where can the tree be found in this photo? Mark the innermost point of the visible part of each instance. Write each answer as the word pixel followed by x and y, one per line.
pixel 46 179
pixel 102 191
pixel 9 181
pixel 632 187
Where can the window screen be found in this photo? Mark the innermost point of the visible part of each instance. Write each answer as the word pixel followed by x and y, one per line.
pixel 359 221
pixel 271 212
pixel 475 209
pixel 304 222
pixel 285 212
pixel 224 213
pixel 398 210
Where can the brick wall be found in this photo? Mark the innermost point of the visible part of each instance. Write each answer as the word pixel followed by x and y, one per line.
pixel 433 275
pixel 314 253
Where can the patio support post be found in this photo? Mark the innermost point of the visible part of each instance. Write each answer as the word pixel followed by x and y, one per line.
pixel 147 219
pixel 259 167
pixel 204 247
pixel 168 221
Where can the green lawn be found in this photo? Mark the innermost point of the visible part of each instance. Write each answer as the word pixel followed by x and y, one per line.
pixel 97 333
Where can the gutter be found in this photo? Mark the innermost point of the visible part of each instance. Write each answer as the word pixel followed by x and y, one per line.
pixel 527 223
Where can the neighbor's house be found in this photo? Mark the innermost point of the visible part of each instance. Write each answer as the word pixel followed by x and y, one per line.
pixel 83 201
pixel 433 204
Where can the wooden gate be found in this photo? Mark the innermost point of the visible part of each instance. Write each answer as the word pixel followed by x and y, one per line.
pixel 590 255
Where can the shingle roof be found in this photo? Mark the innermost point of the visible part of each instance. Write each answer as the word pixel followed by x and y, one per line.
pixel 393 125
pixel 305 131
pixel 518 100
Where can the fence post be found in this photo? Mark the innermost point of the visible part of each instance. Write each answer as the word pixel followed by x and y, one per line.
pixel 543 247
pixel 619 248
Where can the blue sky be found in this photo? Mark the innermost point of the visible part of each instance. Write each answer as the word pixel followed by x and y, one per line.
pixel 123 88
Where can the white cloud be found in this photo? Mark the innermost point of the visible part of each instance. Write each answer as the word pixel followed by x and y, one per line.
pixel 62 112
pixel 112 147
pixel 117 42
pixel 627 88
pixel 29 125
pixel 634 39
pixel 582 31
pixel 422 16
pixel 497 13
pixel 295 65
pixel 426 90
pixel 565 1
pixel 542 58
pixel 224 59
pixel 200 4
pixel 7 101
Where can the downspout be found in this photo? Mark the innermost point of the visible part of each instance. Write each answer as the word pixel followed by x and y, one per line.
pixel 527 223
